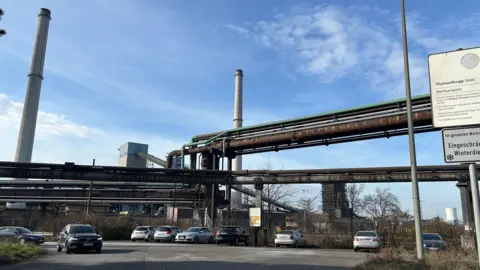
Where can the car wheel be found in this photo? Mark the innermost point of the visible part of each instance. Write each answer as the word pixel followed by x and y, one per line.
pixel 355 249
pixel 59 249
pixel 218 243
pixel 98 250
pixel 277 245
pixel 133 240
pixel 68 251
pixel 246 242
pixel 195 240
pixel 210 240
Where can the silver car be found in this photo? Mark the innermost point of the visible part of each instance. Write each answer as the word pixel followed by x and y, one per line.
pixel 195 235
pixel 166 233
pixel 433 241
pixel 366 240
pixel 143 233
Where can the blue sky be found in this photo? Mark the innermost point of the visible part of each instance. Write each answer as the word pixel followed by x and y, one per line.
pixel 160 72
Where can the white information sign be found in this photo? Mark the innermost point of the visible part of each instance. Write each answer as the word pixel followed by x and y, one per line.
pixel 461 145
pixel 255 217
pixel 455 87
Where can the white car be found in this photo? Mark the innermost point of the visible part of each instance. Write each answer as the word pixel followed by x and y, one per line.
pixel 195 235
pixel 290 238
pixel 143 233
pixel 366 240
pixel 166 233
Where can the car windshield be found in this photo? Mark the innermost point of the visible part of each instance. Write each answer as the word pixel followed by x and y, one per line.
pixel 141 228
pixel 23 230
pixel 163 229
pixel 371 234
pixel 193 229
pixel 81 229
pixel 286 232
pixel 432 236
pixel 227 229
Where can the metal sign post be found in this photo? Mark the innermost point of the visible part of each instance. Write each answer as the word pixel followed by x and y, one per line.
pixel 462 145
pixel 411 136
pixel 455 98
pixel 476 211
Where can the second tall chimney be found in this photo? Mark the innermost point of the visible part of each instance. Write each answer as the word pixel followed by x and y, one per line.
pixel 238 113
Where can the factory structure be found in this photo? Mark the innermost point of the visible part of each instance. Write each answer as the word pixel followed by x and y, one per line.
pixel 451 216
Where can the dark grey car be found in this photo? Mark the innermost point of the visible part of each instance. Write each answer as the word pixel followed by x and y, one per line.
pixel 79 237
pixel 22 235
pixel 433 241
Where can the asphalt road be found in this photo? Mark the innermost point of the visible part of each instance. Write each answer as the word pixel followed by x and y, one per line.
pixel 164 256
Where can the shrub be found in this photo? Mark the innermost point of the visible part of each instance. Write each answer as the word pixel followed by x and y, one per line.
pixel 397 259
pixel 13 252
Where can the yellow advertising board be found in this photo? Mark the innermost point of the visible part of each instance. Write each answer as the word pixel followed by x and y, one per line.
pixel 255 217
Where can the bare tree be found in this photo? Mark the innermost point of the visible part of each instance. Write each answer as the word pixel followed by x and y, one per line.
pixel 308 205
pixel 277 192
pixel 2 31
pixel 354 197
pixel 381 204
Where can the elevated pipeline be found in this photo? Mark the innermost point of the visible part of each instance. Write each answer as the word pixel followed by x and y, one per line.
pixel 335 130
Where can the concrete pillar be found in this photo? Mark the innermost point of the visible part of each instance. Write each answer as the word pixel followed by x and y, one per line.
pixel 193 161
pixel 467 206
pixel 210 162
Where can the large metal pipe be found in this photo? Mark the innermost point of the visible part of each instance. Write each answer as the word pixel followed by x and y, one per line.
pixel 396 105
pixel 332 131
pixel 26 134
pixel 307 177
pixel 84 185
pixel 51 200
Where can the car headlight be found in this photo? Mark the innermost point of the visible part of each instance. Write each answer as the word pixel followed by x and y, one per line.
pixel 100 239
pixel 73 238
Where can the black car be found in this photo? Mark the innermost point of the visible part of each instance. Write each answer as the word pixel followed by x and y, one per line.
pixel 79 237
pixel 231 234
pixel 22 235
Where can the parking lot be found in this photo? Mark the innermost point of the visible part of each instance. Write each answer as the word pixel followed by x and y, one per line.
pixel 165 256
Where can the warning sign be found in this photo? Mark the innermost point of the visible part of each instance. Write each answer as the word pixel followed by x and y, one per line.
pixel 255 217
pixel 461 145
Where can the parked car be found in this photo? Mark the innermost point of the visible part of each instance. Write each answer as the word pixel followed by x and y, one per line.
pixel 145 233
pixel 79 237
pixel 22 235
pixel 366 240
pixel 290 238
pixel 195 235
pixel 433 241
pixel 166 233
pixel 231 234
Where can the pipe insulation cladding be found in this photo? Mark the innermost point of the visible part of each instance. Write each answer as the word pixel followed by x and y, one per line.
pixel 332 131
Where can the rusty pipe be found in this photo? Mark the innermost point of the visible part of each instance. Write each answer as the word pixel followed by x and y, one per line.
pixel 355 127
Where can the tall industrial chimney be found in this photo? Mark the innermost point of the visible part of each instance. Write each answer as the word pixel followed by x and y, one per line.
pixel 28 124
pixel 236 199
pixel 238 113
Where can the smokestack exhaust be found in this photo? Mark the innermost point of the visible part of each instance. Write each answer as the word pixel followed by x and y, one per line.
pixel 28 124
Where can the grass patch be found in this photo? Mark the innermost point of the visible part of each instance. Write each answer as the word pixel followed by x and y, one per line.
pixel 399 259
pixel 12 252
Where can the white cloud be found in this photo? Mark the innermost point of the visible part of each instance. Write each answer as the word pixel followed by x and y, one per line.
pixel 355 42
